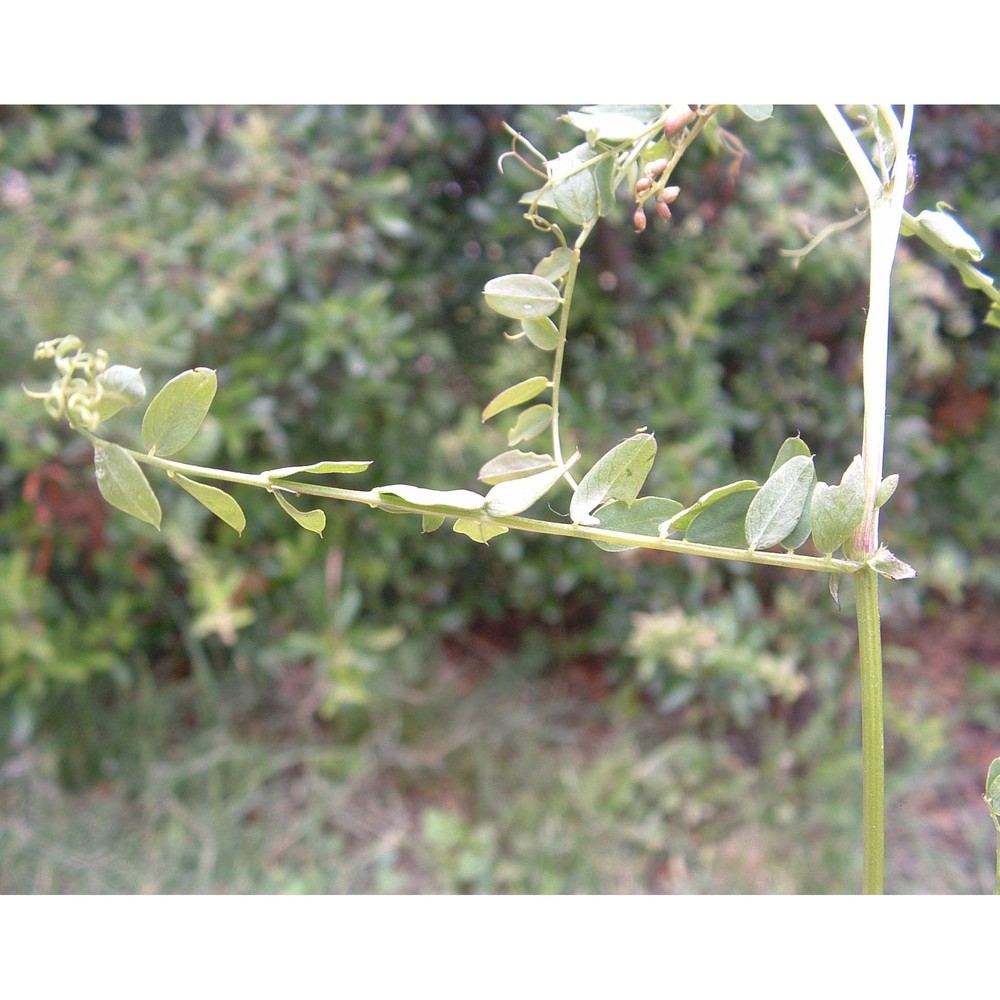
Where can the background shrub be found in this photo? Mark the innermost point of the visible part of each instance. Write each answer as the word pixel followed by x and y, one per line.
pixel 328 262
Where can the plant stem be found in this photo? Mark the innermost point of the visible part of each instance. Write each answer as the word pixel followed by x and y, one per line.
pixel 886 209
pixel 872 732
pixel 557 364
pixel 996 884
pixel 373 498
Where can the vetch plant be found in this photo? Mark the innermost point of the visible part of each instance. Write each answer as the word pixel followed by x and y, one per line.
pixel 787 518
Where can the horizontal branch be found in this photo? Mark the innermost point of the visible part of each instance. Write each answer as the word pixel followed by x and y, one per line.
pixel 394 505
pixel 788 560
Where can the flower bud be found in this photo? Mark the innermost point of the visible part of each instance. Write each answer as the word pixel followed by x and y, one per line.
pixel 642 185
pixel 656 167
pixel 669 194
pixel 676 117
pixel 663 210
pixel 639 219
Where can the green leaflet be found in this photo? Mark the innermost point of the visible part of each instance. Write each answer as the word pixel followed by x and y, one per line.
pixel 581 193
pixel 522 296
pixel 611 126
pixel 837 510
pixel 886 489
pixel 800 533
pixel 723 522
pixel 453 502
pixel 311 520
pixel 775 511
pixel 316 469
pixel 757 112
pixel 789 449
pixel 992 794
pixel 530 423
pixel 514 465
pixel 220 503
pixel 478 531
pixel 683 519
pixel 177 411
pixel 638 517
pixel 886 564
pixel 556 264
pixel 946 229
pixel 517 495
pixel 618 475
pixel 123 484
pixel 543 333
pixel 515 395
pixel 120 386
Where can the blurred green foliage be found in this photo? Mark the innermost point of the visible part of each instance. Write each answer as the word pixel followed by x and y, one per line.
pixel 328 262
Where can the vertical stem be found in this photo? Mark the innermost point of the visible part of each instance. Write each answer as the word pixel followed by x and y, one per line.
pixel 996 884
pixel 557 364
pixel 885 204
pixel 872 730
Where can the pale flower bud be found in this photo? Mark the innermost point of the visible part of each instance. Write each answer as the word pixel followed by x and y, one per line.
pixel 676 117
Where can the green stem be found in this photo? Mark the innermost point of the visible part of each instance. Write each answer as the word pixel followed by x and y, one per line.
pixel 872 732
pixel 996 884
pixel 374 499
pixel 885 204
pixel 557 364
